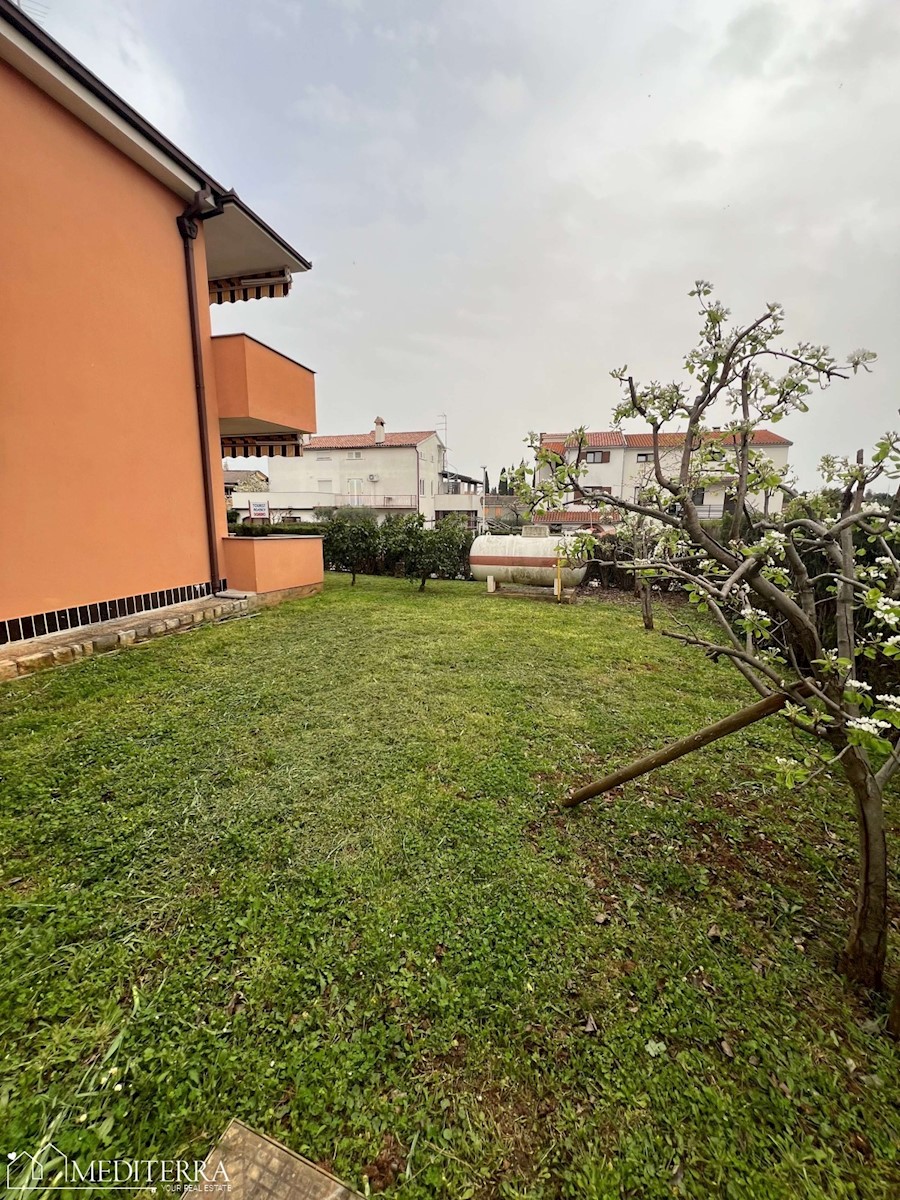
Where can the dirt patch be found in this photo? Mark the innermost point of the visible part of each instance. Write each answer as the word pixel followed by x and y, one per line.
pixel 387 1166
pixel 712 849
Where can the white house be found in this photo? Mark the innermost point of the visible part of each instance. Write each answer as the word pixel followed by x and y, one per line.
pixel 621 464
pixel 385 472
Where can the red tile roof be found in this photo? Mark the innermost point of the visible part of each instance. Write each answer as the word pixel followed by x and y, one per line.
pixel 578 516
pixel 612 439
pixel 644 441
pixel 361 441
pixel 609 439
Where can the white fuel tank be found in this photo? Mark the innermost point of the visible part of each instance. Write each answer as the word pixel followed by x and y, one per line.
pixel 529 561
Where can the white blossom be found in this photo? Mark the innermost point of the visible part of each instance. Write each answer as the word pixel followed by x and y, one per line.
pixel 887 611
pixel 890 701
pixel 868 724
pixel 857 685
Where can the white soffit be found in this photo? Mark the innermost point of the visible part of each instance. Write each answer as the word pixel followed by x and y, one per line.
pixel 236 245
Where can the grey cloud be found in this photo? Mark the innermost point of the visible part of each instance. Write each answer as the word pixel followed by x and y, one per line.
pixel 751 38
pixel 503 201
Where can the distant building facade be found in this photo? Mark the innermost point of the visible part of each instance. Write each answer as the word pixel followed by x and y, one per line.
pixel 621 465
pixel 403 472
pixel 244 481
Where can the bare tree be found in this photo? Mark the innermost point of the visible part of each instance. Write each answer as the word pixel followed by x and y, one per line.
pixel 804 599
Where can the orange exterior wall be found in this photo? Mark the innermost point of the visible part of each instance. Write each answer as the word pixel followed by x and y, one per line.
pixel 99 444
pixel 272 564
pixel 255 381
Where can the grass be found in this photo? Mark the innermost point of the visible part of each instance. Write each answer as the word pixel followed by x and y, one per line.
pixel 307 870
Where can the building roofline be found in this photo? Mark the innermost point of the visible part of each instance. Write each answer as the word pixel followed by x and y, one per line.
pixel 415 436
pixel 618 440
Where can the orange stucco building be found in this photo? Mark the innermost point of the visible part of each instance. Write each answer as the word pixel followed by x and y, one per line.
pixel 115 245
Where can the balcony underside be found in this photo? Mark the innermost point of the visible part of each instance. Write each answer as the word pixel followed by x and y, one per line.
pixel 266 400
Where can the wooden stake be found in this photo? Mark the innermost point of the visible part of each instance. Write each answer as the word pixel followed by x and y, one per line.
pixel 646 605
pixel 659 758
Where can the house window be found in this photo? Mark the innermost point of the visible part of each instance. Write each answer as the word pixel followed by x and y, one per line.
pixel 354 491
pixel 645 457
pixel 325 485
pixel 421 487
pixel 598 491
pixel 354 454
pixel 597 456
pixel 698 495
pixel 323 458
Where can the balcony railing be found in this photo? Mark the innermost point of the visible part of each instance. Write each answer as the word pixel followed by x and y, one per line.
pixel 354 501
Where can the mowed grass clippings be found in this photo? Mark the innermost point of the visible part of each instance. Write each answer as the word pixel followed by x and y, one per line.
pixel 308 870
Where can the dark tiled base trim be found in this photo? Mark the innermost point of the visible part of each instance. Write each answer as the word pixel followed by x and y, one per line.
pixel 19 629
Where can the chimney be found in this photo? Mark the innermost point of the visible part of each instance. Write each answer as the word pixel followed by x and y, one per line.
pixel 379 431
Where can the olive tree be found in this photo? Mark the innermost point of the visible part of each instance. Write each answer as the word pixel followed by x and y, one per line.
pixel 801 597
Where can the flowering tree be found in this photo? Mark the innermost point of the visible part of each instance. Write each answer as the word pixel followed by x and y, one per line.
pixel 802 593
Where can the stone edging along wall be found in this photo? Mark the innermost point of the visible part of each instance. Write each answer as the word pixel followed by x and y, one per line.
pixel 56 652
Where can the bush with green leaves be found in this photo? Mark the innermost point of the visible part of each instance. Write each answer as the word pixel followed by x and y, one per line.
pixel 352 542
pixel 442 551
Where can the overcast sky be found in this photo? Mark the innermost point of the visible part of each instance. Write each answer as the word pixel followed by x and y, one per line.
pixel 504 199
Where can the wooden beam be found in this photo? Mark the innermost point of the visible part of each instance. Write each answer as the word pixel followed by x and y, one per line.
pixel 694 741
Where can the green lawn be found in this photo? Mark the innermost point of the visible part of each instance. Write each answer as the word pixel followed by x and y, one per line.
pixel 307 869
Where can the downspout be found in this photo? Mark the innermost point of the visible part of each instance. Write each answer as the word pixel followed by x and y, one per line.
pixel 188 228
pixel 418 485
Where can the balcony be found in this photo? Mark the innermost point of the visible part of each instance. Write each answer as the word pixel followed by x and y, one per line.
pixel 286 502
pixel 458 502
pixel 351 501
pixel 261 392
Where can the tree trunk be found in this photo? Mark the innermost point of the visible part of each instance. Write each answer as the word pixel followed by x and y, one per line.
pixel 422 584
pixel 352 578
pixel 862 959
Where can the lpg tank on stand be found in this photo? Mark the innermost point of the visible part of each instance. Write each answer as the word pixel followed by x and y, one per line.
pixel 526 561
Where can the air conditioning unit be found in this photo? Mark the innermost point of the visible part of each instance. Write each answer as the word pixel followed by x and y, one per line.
pixel 373 479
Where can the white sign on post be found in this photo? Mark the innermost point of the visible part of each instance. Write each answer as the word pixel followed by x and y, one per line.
pixel 259 509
